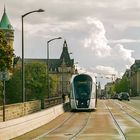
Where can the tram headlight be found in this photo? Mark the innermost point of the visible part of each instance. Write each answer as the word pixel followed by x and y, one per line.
pixel 87 102
pixel 76 102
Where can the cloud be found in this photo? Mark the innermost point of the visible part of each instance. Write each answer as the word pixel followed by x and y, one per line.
pixel 97 40
pixel 123 54
pixel 105 70
pixel 125 41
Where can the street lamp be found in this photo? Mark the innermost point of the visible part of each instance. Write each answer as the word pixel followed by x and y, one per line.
pixel 48 85
pixel 23 76
pixel 96 91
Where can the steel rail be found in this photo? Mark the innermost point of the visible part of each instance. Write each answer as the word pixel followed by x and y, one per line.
pixel 130 107
pixel 53 129
pixel 116 123
pixel 121 107
pixel 82 128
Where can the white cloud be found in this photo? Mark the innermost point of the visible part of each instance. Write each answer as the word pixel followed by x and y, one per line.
pixel 125 41
pixel 123 54
pixel 105 70
pixel 97 40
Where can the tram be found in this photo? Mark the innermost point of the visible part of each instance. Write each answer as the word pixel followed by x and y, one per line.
pixel 83 92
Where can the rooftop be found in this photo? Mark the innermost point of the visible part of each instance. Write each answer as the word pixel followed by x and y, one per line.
pixel 5 23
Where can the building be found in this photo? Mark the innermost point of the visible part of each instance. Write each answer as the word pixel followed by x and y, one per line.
pixel 135 78
pixel 7 28
pixel 108 89
pixel 60 69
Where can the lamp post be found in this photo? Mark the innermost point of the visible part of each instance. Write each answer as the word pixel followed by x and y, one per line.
pixel 4 76
pixel 48 84
pixel 23 76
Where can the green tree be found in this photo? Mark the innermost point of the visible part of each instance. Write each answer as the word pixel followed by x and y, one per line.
pixel 35 81
pixel 13 88
pixel 1 89
pixel 54 85
pixel 6 53
pixel 123 85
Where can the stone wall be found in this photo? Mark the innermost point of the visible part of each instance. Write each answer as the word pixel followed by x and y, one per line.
pixel 17 110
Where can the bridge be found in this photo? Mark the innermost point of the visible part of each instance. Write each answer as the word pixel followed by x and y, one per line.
pixel 112 120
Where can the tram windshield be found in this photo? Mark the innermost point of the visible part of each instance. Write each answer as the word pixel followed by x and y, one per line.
pixel 83 87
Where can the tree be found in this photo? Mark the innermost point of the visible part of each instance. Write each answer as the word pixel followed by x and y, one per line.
pixel 13 88
pixel 123 85
pixel 1 89
pixel 6 53
pixel 35 81
pixel 54 85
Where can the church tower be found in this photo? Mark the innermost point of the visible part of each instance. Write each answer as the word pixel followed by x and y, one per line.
pixel 7 28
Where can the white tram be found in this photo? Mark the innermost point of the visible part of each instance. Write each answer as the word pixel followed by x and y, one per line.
pixel 83 92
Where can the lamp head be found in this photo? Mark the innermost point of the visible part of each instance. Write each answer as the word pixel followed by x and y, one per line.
pixel 40 10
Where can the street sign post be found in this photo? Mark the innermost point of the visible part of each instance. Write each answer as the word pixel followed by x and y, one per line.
pixel 4 76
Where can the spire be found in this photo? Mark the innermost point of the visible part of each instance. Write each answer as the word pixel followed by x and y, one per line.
pixel 5 23
pixel 4 9
pixel 65 44
pixel 65 53
pixel 65 57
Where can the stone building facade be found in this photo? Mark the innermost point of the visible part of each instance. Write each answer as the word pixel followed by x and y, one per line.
pixel 60 69
pixel 135 77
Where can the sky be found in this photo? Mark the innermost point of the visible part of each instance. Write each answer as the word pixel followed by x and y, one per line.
pixel 102 35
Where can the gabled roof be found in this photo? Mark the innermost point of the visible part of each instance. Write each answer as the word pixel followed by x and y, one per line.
pixel 5 23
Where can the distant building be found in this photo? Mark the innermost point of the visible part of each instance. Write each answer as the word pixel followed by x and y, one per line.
pixel 108 89
pixel 59 69
pixel 135 78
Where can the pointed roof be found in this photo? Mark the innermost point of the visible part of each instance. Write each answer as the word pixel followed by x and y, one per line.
pixel 5 23
pixel 65 57
pixel 65 53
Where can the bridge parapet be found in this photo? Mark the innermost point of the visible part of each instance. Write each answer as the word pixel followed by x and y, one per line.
pixel 46 103
pixel 17 110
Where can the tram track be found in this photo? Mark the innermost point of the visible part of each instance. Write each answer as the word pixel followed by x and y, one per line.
pixel 124 119
pixel 82 128
pixel 74 134
pixel 123 108
pixel 121 132
pixel 53 129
